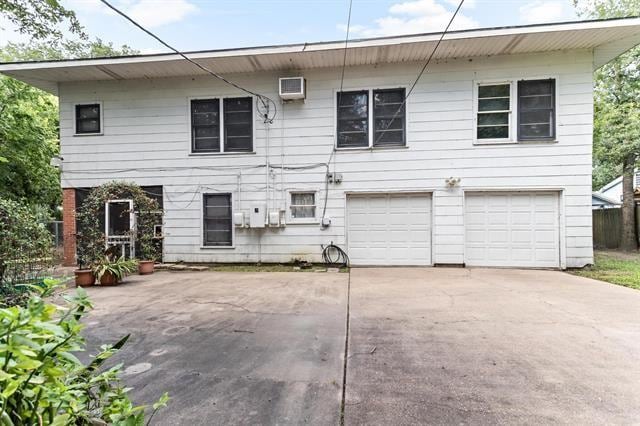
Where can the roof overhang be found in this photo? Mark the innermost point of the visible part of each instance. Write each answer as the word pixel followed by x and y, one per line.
pixel 607 39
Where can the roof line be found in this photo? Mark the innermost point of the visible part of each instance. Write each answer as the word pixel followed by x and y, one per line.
pixel 304 45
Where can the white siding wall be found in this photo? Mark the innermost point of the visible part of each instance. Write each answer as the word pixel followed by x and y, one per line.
pixel 146 126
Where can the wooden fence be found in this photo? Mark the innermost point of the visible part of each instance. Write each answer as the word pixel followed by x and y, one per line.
pixel 607 228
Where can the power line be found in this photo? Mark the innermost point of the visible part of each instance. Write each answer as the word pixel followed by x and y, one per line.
pixel 266 101
pixel 346 40
pixel 426 64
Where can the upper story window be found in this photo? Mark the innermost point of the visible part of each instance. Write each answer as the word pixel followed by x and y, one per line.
pixel 494 111
pixel 88 119
pixel 536 109
pixel 354 118
pixel 229 120
pixel 533 107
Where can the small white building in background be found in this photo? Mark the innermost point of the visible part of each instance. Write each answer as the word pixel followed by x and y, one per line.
pixel 487 164
pixel 613 190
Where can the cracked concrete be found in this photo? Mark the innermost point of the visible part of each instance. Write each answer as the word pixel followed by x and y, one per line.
pixel 230 348
pixel 427 346
pixel 478 346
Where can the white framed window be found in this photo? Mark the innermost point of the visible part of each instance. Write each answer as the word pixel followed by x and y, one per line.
pixel 217 220
pixel 302 206
pixel 371 118
pixel 87 119
pixel 493 121
pixel 222 125
pixel 513 111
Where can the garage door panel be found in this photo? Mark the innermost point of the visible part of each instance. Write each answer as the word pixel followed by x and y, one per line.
pixel 512 229
pixel 389 229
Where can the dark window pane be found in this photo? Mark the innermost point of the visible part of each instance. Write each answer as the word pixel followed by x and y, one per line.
pixel 498 104
pixel 353 116
pixel 493 132
pixel 536 109
pixel 530 131
pixel 88 118
pixel 493 91
pixel 493 118
pixel 389 117
pixel 303 212
pixel 205 125
pixel 535 117
pixel 535 87
pixel 217 220
pixel 538 101
pixel 238 124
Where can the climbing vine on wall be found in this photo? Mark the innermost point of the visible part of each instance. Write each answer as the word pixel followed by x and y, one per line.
pixel 91 236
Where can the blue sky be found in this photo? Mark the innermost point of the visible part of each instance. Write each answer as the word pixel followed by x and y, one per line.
pixel 214 24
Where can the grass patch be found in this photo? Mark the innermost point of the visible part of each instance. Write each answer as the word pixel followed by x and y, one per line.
pixel 616 268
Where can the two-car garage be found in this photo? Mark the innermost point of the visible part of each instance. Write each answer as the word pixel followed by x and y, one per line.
pixel 503 229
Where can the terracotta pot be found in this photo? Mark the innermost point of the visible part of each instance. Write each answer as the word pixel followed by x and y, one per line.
pixel 108 279
pixel 145 267
pixel 84 277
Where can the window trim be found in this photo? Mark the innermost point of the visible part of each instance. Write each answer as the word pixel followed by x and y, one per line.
pixel 233 228
pixel 75 122
pixel 370 122
pixel 290 220
pixel 513 123
pixel 220 99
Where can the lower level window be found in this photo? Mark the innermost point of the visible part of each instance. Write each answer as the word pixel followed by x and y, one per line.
pixel 217 220
pixel 303 205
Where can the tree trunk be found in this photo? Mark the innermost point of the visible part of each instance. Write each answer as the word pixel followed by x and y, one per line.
pixel 629 242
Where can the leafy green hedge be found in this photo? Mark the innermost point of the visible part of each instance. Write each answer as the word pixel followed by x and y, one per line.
pixel 43 382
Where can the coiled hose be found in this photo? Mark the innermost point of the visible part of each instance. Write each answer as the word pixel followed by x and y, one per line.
pixel 334 257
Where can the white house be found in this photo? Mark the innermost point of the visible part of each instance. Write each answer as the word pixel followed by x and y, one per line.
pixel 613 190
pixel 487 164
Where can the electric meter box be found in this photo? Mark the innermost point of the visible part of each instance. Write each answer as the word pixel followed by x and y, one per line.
pixel 258 216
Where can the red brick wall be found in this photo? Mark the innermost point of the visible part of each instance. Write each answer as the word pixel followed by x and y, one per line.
pixel 69 225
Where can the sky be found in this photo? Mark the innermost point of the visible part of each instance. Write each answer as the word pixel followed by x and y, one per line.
pixel 219 24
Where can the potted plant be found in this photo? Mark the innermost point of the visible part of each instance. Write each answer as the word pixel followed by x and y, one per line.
pixel 111 272
pixel 147 255
pixel 85 276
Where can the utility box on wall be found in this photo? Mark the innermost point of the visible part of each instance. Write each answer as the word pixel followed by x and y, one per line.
pixel 257 216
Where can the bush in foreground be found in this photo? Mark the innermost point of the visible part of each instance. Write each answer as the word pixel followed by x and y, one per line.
pixel 43 382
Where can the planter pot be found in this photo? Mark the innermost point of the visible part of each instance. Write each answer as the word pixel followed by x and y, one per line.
pixel 108 279
pixel 145 267
pixel 84 277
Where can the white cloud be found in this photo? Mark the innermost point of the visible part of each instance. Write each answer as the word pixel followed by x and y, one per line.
pixel 540 11
pixel 156 13
pixel 411 17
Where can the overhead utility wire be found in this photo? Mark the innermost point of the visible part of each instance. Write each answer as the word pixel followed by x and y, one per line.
pixel 263 99
pixel 333 151
pixel 426 64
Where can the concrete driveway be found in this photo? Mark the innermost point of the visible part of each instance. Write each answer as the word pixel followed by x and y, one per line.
pixel 426 345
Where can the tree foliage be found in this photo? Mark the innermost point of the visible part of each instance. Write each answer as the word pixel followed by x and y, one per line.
pixel 40 19
pixel 29 123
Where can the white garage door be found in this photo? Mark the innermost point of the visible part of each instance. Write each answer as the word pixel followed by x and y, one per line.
pixel 389 229
pixel 512 229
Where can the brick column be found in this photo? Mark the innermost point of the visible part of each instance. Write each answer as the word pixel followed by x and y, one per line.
pixel 69 226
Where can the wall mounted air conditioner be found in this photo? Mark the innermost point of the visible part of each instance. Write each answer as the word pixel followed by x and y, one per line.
pixel 292 88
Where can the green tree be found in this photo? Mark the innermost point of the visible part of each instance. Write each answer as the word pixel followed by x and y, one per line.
pixel 29 123
pixel 617 113
pixel 40 19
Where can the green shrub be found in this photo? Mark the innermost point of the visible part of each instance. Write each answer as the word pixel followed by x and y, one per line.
pixel 25 249
pixel 43 382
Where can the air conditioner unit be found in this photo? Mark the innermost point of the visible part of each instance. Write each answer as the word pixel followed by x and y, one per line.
pixel 292 88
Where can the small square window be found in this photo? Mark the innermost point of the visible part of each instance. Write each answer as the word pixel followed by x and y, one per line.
pixel 88 119
pixel 303 205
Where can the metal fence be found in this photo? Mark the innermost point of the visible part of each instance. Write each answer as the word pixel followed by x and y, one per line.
pixel 55 227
